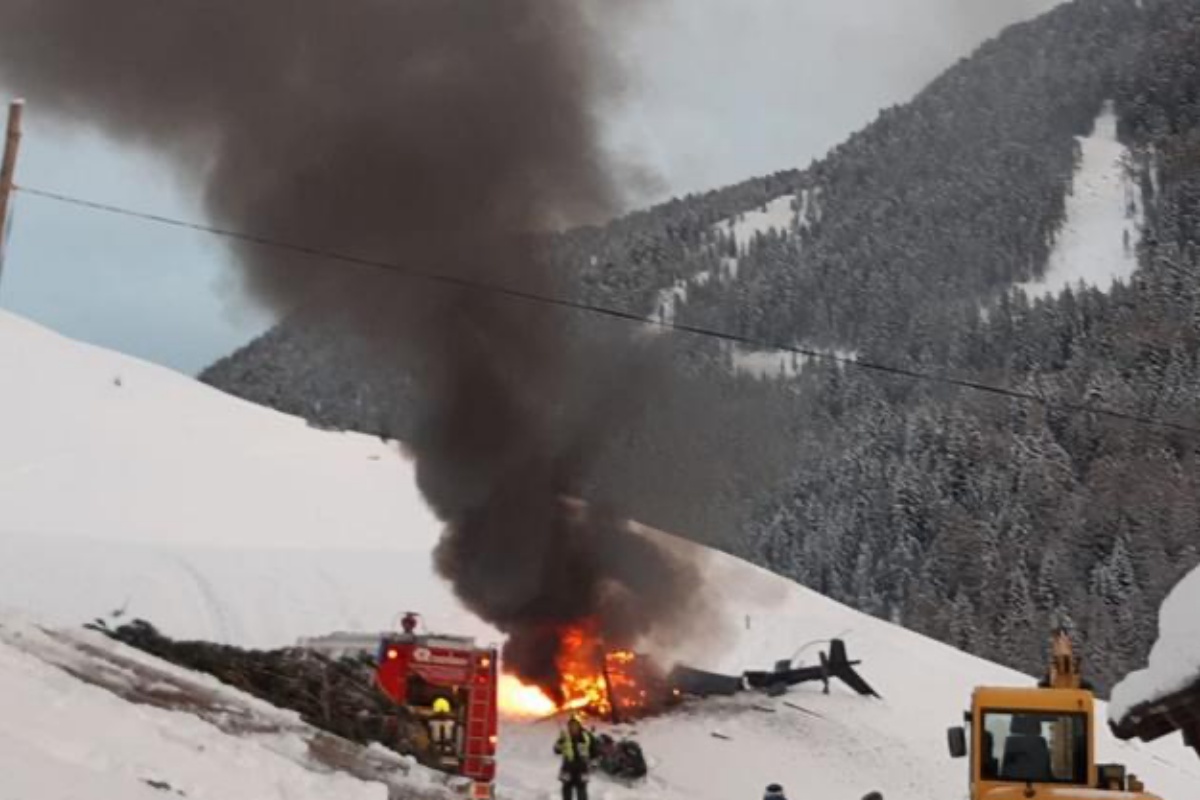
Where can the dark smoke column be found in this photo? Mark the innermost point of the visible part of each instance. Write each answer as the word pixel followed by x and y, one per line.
pixel 436 133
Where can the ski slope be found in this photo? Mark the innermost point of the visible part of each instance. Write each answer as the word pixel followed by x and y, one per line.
pixel 778 215
pixel 1097 244
pixel 158 496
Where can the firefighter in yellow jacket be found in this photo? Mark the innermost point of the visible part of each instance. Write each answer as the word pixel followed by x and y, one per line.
pixel 575 745
pixel 441 727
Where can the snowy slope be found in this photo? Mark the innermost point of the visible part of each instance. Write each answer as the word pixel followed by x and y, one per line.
pixel 1097 244
pixel 99 445
pixel 81 716
pixel 1175 658
pixel 202 514
pixel 252 597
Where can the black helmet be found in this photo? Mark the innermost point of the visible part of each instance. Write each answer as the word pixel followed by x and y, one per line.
pixel 873 796
pixel 774 792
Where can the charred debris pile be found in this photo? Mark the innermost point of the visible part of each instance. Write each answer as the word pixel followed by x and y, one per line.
pixel 335 695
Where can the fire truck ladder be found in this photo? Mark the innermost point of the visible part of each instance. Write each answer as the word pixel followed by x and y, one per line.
pixel 480 746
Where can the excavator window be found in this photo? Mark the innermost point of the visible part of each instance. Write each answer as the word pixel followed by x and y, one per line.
pixel 1038 747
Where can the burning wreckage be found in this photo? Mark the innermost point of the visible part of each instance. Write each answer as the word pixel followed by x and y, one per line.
pixel 615 686
pixel 387 689
pixel 620 686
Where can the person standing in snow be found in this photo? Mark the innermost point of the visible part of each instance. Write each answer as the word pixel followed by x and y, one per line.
pixel 575 746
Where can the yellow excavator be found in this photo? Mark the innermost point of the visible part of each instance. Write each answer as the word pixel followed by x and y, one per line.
pixel 1040 743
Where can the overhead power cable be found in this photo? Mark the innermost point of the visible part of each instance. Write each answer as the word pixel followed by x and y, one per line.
pixel 520 295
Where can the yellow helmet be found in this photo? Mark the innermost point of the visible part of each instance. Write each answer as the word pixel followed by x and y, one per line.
pixel 441 706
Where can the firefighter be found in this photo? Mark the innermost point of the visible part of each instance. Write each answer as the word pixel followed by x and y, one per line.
pixel 575 745
pixel 441 726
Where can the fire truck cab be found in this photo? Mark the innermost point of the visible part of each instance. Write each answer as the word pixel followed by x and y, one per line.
pixel 450 684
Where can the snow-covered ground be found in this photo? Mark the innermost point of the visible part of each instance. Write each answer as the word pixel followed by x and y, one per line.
pixel 82 716
pixel 98 445
pixel 251 596
pixel 214 518
pixel 1175 657
pixel 1097 244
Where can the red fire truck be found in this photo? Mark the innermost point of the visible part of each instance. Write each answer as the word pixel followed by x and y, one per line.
pixel 449 682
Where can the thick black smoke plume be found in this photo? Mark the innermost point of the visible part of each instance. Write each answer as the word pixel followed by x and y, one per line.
pixel 436 133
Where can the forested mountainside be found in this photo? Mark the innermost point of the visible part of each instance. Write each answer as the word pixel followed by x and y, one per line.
pixel 979 520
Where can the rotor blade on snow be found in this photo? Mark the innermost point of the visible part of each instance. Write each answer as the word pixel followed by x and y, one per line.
pixel 698 683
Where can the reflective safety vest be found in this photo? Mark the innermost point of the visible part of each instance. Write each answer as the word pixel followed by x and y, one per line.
pixel 567 747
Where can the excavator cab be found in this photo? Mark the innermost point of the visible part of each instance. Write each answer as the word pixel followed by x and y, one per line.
pixel 1039 742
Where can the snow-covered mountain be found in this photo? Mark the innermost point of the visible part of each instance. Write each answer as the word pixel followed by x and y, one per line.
pixel 123 486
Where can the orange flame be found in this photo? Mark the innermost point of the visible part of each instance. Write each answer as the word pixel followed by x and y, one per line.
pixel 580 660
pixel 518 699
pixel 593 681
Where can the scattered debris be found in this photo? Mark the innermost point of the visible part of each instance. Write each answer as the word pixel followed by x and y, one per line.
pixel 621 758
pixel 698 683
pixel 804 710
pixel 690 682
pixel 162 786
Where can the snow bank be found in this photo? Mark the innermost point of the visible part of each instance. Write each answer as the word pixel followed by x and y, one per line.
pixel 1175 657
pixel 62 737
pixel 1097 244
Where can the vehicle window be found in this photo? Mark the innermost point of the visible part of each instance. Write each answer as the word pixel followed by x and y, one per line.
pixel 1038 747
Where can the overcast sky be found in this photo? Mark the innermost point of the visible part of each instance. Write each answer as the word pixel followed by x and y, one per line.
pixel 718 91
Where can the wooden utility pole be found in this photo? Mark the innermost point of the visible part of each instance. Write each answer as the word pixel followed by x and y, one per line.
pixel 8 171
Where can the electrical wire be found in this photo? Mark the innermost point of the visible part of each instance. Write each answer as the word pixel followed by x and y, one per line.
pixel 519 295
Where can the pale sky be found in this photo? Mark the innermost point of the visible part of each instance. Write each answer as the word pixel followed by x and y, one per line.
pixel 718 91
